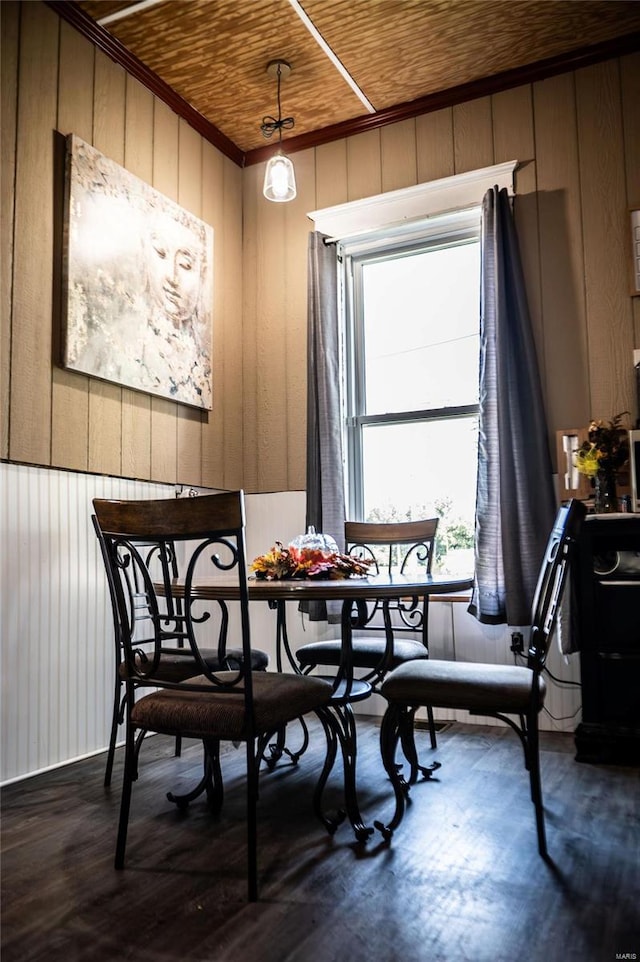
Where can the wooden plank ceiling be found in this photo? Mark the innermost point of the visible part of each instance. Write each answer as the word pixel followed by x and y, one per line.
pixel 214 53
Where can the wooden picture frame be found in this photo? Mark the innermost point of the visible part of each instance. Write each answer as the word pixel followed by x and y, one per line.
pixel 137 282
pixel 571 484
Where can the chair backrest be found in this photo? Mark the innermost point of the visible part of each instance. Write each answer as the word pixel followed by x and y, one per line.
pixel 165 567
pixel 552 580
pixel 393 546
pixel 155 552
pixel 404 547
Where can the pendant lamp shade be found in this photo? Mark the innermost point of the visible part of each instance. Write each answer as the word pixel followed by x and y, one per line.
pixel 279 176
pixel 279 179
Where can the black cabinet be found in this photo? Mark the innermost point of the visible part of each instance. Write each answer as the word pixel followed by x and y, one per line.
pixel 606 622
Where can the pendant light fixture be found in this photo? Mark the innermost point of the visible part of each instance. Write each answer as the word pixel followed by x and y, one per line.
pixel 279 176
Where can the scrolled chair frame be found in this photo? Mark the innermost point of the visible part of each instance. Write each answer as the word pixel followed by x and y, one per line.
pixel 383 624
pixel 216 703
pixel 514 694
pixel 171 662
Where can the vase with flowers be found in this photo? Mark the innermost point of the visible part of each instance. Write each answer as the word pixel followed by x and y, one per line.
pixel 600 458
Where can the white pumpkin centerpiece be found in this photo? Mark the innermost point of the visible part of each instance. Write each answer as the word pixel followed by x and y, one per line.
pixel 315 541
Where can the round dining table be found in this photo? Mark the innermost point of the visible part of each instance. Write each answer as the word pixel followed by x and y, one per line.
pixel 353 592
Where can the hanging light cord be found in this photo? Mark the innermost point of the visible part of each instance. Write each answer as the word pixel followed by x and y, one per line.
pixel 269 125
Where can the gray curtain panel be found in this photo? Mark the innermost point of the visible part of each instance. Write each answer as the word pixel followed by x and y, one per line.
pixel 325 484
pixel 516 502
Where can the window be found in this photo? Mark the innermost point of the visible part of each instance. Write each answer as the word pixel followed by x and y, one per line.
pixel 411 312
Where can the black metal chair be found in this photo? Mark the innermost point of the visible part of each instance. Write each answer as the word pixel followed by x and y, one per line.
pixel 390 632
pixel 238 705
pixel 176 662
pixel 499 691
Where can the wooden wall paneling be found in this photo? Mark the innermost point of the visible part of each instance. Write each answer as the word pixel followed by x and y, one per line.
pixel 213 213
pixel 230 347
pixel 630 79
pixel 473 135
pixel 138 158
pixel 190 419
pixel 434 145
pixel 298 228
pixel 364 165
pixel 11 544
pixel 513 139
pixel 635 308
pixel 10 40
pixel 398 148
pixel 70 397
pixel 271 356
pixel 105 399
pixel 604 207
pixel 31 337
pixel 164 413
pixel 252 179
pixel 561 253
pixel 64 718
pixel 630 85
pixel 331 175
pixel 164 448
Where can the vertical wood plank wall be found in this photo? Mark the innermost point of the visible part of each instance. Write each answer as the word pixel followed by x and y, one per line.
pixel 55 82
pixel 577 138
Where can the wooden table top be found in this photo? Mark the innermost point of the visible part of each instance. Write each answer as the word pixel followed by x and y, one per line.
pixel 338 589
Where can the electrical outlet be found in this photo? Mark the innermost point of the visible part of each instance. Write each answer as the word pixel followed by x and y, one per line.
pixel 517 642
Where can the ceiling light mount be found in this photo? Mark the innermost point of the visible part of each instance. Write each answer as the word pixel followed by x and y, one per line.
pixel 279 176
pixel 279 65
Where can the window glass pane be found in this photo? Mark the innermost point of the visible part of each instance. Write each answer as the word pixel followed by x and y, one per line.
pixel 424 470
pixel 421 330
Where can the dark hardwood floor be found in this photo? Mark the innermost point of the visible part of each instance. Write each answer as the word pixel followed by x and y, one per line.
pixel 461 879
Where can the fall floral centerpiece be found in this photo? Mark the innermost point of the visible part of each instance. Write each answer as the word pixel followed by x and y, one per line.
pixel 601 456
pixel 310 559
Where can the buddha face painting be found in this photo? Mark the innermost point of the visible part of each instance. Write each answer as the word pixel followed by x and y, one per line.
pixel 138 282
pixel 175 261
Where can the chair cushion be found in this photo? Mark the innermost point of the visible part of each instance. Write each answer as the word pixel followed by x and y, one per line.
pixel 367 652
pixel 181 665
pixel 278 699
pixel 466 685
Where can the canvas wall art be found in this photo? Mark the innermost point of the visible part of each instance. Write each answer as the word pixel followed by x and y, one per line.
pixel 138 280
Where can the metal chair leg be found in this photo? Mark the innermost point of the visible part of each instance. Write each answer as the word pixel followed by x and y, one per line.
pixel 409 750
pixel 116 720
pixel 432 727
pixel 252 818
pixel 533 743
pixel 389 737
pixel 129 776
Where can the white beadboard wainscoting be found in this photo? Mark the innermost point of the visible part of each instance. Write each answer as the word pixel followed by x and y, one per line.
pixel 56 632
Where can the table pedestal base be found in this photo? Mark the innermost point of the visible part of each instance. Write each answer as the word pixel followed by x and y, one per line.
pixel 340 728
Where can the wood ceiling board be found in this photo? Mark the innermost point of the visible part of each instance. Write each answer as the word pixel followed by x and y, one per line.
pixel 214 53
pixel 104 8
pixel 409 57
pixel 400 50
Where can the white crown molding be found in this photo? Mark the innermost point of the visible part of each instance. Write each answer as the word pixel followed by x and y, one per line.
pixel 436 197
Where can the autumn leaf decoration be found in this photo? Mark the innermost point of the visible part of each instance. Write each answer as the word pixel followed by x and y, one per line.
pixel 280 563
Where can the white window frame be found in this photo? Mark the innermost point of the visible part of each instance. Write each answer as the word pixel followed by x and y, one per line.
pixel 436 233
pixel 400 207
pixel 386 216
